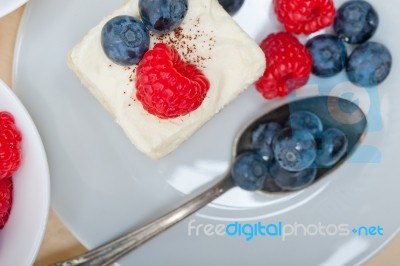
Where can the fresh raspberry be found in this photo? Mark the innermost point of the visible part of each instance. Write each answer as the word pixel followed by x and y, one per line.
pixel 6 187
pixel 10 145
pixel 288 65
pixel 168 87
pixel 305 16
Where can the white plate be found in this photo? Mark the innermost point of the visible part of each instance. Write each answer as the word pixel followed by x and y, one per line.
pixel 22 235
pixel 102 186
pixel 7 6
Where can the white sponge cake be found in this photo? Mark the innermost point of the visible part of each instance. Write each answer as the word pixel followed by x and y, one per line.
pixel 208 38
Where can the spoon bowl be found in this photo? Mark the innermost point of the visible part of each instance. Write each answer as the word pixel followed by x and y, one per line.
pixel 333 111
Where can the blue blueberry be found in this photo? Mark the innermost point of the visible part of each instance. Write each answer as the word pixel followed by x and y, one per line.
pixel 369 64
pixel 231 6
pixel 249 171
pixel 305 120
pixel 266 153
pixel 261 139
pixel 124 40
pixel 294 150
pixel 162 16
pixel 264 134
pixel 329 55
pixel 292 180
pixel 332 146
pixel 356 21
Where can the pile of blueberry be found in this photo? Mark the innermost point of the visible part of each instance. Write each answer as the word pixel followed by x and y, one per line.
pixel 288 156
pixel 125 39
pixel 355 23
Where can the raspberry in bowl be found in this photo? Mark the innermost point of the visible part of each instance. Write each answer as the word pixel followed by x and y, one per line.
pixel 10 161
pixel 10 145
pixel 24 197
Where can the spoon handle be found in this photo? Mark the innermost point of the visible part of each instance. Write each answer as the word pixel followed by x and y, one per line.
pixel 110 252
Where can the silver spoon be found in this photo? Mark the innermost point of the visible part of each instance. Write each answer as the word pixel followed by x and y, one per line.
pixel 334 112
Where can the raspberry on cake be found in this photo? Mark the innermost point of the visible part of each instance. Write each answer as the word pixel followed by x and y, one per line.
pixel 167 86
pixel 208 39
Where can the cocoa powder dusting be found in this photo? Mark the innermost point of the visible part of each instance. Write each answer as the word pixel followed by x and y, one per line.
pixel 185 42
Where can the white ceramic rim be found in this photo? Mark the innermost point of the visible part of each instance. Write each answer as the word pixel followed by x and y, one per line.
pixel 11 6
pixel 45 179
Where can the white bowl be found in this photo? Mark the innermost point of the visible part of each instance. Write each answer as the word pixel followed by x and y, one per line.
pixel 8 6
pixel 22 235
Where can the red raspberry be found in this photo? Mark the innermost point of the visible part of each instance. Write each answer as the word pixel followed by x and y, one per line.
pixel 168 87
pixel 305 16
pixel 288 65
pixel 10 145
pixel 6 187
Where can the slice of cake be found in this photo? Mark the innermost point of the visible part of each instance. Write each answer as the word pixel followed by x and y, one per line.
pixel 207 38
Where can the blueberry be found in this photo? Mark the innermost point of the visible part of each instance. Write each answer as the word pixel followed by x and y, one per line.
pixel 261 139
pixel 266 153
pixel 249 171
pixel 231 6
pixel 305 120
pixel 331 147
pixel 294 150
pixel 369 64
pixel 356 21
pixel 292 180
pixel 329 55
pixel 264 134
pixel 124 40
pixel 162 16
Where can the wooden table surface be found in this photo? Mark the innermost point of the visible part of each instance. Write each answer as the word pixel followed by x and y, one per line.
pixel 58 242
